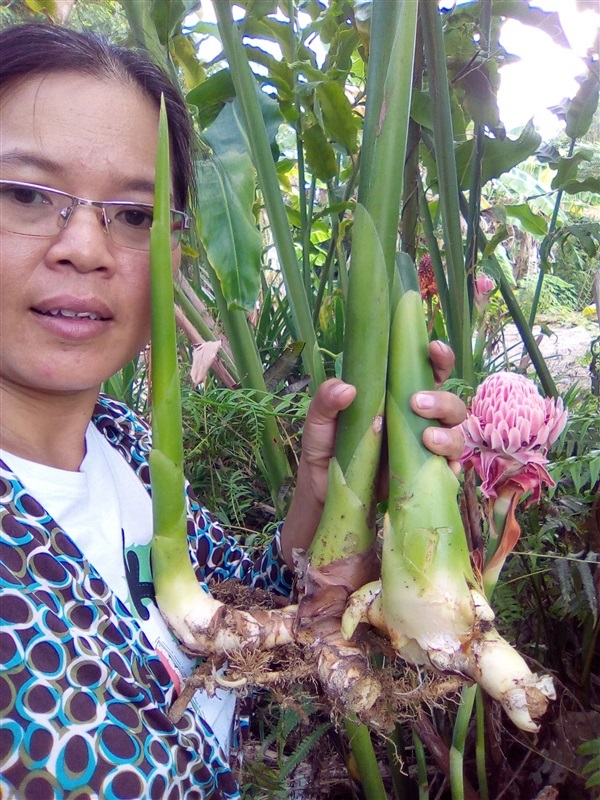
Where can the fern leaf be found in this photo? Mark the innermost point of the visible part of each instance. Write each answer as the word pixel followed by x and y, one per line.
pixel 303 750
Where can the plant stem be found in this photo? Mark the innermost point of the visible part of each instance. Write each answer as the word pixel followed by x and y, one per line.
pixel 458 316
pixel 410 198
pixel 421 760
pixel 459 736
pixel 172 571
pixel 480 745
pixel 433 249
pixel 403 788
pixel 364 754
pixel 551 229
pixel 166 396
pixel 333 245
pixel 245 87
pixel 439 751
pixel 516 313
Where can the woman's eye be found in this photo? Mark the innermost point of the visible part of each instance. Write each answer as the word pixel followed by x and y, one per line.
pixel 135 217
pixel 23 195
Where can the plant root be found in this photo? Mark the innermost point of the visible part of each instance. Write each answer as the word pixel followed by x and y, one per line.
pixel 282 670
pixel 342 665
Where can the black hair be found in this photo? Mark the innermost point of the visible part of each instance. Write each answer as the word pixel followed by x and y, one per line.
pixel 41 48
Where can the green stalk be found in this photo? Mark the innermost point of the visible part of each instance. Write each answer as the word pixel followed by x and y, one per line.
pixel 333 247
pixel 362 750
pixel 358 443
pixel 480 746
pixel 478 154
pixel 410 199
pixel 457 316
pixel 173 575
pixel 245 87
pixel 421 760
pixel 403 787
pixel 429 602
pixel 305 215
pixel 384 21
pixel 188 609
pixel 519 319
pixel 347 525
pixel 459 737
pixel 551 229
pixel 433 249
pixel 383 192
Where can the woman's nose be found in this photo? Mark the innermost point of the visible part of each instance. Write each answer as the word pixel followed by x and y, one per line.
pixel 83 240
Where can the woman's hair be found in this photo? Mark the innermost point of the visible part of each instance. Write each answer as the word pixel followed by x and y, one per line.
pixel 39 48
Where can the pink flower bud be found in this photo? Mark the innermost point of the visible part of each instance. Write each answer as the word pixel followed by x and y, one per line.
pixel 484 287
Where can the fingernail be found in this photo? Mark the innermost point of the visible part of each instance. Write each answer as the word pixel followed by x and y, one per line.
pixel 424 401
pixel 445 348
pixel 339 389
pixel 440 436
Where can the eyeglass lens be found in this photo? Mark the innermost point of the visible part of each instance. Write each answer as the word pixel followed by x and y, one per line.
pixel 42 212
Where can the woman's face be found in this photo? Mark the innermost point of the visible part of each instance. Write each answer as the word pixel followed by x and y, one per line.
pixel 96 139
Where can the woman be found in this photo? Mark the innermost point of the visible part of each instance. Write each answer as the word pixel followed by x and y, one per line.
pixel 89 670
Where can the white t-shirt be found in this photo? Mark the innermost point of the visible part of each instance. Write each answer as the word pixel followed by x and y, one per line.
pixel 107 512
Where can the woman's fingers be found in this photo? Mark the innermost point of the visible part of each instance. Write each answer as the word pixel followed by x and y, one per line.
pixel 442 361
pixel 447 442
pixel 447 408
pixel 320 427
pixel 318 438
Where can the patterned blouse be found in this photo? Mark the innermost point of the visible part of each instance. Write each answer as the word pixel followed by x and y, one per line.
pixel 83 696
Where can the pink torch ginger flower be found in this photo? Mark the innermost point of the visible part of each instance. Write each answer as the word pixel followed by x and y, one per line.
pixel 508 431
pixel 484 286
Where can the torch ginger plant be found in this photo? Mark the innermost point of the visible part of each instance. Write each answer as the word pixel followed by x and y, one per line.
pixel 508 431
pixel 429 601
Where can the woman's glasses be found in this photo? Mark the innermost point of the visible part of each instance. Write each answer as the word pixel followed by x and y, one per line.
pixel 34 210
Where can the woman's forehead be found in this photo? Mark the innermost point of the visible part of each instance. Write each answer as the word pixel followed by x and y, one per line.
pixel 76 123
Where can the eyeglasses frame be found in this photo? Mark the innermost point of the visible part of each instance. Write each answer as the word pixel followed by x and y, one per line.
pixel 67 212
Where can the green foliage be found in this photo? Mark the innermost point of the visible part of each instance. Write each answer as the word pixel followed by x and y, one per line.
pixel 226 225
pixel 557 295
pixel 592 768
pixel 573 255
pixel 499 156
pixel 576 456
pixel 129 385
pixel 547 598
pixel 314 150
pixel 222 437
pixel 91 15
pixel 288 734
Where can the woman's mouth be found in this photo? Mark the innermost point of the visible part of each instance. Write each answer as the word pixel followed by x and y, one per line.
pixel 74 319
pixel 64 312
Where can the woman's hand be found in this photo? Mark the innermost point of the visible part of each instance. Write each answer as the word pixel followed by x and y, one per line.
pixel 445 407
pixel 318 441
